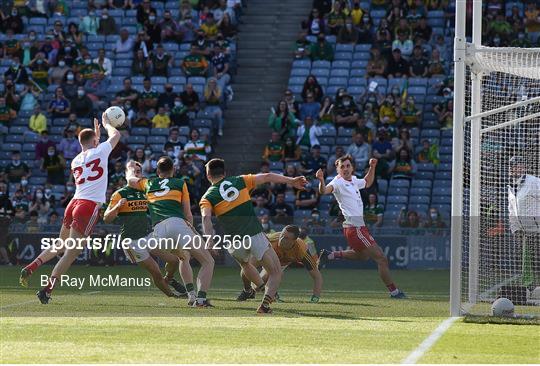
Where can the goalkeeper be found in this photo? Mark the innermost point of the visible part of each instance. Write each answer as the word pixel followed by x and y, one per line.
pixel 289 249
pixel 524 216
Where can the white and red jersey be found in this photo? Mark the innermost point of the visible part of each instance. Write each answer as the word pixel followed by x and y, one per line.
pixel 90 171
pixel 347 193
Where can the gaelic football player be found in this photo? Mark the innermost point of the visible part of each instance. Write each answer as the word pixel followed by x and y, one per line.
pixel 90 171
pixel 170 211
pixel 346 188
pixel 128 207
pixel 289 249
pixel 229 199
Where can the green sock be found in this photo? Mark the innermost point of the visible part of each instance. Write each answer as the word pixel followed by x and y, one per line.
pixel 201 295
pixel 190 287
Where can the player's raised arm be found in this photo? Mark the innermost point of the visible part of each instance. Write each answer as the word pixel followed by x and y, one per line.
pixel 296 182
pixel 323 188
pixel 114 134
pixel 370 175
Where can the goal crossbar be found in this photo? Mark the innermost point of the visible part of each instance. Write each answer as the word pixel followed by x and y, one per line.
pixel 509 123
pixel 521 103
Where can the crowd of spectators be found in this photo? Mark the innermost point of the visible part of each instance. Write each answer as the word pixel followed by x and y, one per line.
pixel 57 80
pixel 403 44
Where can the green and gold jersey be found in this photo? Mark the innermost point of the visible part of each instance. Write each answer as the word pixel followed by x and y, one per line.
pixel 230 200
pixel 132 215
pixel 164 197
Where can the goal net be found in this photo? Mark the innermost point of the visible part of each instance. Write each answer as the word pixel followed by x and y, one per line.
pixel 500 240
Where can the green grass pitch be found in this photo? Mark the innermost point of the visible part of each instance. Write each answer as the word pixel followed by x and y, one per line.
pixel 355 322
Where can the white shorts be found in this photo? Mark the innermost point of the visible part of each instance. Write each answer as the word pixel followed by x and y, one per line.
pixel 259 246
pixel 174 231
pixel 138 251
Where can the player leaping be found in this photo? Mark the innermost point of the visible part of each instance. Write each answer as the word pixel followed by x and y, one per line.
pixel 170 211
pixel 230 200
pixel 346 188
pixel 90 173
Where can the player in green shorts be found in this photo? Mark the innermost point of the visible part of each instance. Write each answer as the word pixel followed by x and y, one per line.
pixel 172 221
pixel 229 198
pixel 128 207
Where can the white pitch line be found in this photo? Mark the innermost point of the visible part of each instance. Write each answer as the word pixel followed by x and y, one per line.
pixel 33 301
pixel 415 355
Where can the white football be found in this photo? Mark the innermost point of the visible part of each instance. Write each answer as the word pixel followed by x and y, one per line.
pixel 116 116
pixel 502 307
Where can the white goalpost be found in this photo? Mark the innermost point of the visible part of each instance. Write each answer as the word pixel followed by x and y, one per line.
pixel 496 153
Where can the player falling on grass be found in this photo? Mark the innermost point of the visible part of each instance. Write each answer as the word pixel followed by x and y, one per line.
pixel 128 207
pixel 90 173
pixel 289 249
pixel 170 211
pixel 346 188
pixel 230 200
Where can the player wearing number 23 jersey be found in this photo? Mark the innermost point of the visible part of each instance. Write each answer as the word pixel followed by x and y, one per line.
pixel 90 173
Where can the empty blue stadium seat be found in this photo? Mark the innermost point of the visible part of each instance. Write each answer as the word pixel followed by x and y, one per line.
pixel 418 207
pixel 398 191
pixel 348 56
pixel 382 184
pixel 337 81
pixel 340 73
pixel 424 175
pixel 321 64
pixel 140 131
pixel 420 200
pixel 420 191
pixel 441 200
pixel 320 72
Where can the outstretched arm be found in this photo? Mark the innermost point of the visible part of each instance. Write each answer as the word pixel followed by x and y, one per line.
pixel 323 188
pixel 296 182
pixel 114 134
pixel 370 176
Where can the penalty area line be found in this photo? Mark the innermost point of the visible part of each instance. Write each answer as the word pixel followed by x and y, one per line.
pixel 425 346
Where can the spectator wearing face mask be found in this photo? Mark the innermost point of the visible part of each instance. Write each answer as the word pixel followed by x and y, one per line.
pixel 13 22
pixel 434 219
pixel 178 113
pixel 70 85
pixel 311 85
pixel 82 105
pixel 57 73
pixel 144 10
pixel 55 165
pixel 346 113
pixel 107 24
pixel 40 70
pixel 16 169
pixel 310 108
pixel 167 98
pixel 89 23
pixel 41 203
pixel 190 99
pixel 42 146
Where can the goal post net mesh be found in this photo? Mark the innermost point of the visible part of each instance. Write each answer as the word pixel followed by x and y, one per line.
pixel 501 252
